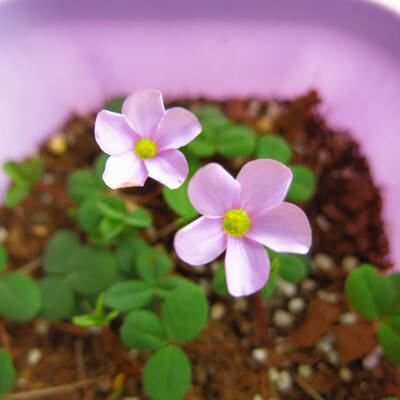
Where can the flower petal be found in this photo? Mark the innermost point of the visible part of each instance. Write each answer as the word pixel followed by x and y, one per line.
pixel 246 266
pixel 201 241
pixel 177 128
pixel 283 229
pixel 213 191
pixel 168 167
pixel 263 185
pixel 113 133
pixel 144 110
pixel 124 170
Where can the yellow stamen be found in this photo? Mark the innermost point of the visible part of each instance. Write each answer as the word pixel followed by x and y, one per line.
pixel 236 222
pixel 145 148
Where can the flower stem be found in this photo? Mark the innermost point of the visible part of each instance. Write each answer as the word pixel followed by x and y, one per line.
pixel 262 325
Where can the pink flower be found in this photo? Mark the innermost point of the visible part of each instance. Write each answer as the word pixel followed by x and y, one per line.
pixel 242 216
pixel 142 141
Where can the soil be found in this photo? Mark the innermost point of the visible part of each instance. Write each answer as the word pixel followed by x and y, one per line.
pixel 345 215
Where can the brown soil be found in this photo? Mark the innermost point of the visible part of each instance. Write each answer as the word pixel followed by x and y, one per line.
pixel 346 221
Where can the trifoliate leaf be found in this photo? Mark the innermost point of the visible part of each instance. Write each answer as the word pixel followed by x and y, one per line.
pixel 370 294
pixel 292 267
pixel 275 147
pixel 92 270
pixel 112 207
pixel 142 331
pixel 127 252
pixel 236 140
pixel 82 184
pixel 7 372
pixel 219 280
pixel 3 258
pixel 15 195
pixel 58 298
pixel 139 218
pixel 303 184
pixel 129 295
pixel 167 374
pixel 153 264
pixel 20 297
pixel 184 313
pixel 115 104
pixel 389 338
pixel 59 249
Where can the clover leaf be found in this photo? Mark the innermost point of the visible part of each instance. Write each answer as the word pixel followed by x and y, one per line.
pixel 142 330
pixel 7 372
pixel 370 294
pixel 167 374
pixel 275 147
pixel 184 313
pixel 24 175
pixel 20 297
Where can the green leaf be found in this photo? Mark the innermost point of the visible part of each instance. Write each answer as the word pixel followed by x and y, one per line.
pixel 58 299
pixel 127 252
pixel 370 294
pixel 115 104
pixel 139 218
pixel 3 258
pixel 15 195
pixel 142 331
pixel 211 116
pixel 82 184
pixel 7 372
pixel 99 318
pixel 236 140
pixel 275 147
pixel 167 374
pixel 394 280
pixel 89 215
pixel 170 283
pixel 59 249
pixel 303 184
pixel 20 297
pixel 99 309
pixel 15 173
pixel 110 228
pixel 389 338
pixel 25 173
pixel 92 270
pixel 127 296
pixel 212 122
pixel 184 313
pixel 219 280
pixel 178 200
pixel 201 146
pixel 269 288
pixel 153 264
pixel 292 267
pixel 33 169
pixel 99 166
pixel 87 321
pixel 112 207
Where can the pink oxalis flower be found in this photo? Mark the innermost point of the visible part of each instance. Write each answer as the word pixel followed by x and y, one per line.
pixel 143 141
pixel 242 216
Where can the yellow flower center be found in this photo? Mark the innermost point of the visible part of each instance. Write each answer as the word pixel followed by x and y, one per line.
pixel 236 222
pixel 145 148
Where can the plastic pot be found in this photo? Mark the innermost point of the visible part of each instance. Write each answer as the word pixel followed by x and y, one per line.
pixel 70 55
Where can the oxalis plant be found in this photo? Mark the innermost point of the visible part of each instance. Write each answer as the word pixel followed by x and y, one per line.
pixel 108 271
